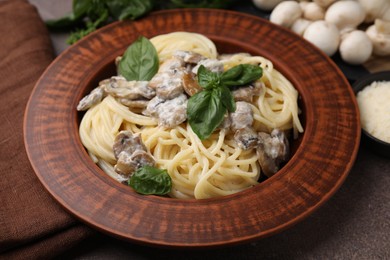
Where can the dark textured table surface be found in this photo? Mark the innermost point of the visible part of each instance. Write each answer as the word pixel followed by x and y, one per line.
pixel 353 224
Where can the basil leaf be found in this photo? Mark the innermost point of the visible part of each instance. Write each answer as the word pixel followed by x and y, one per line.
pixel 205 112
pixel 149 180
pixel 232 74
pixel 206 109
pixel 248 74
pixel 207 79
pixel 227 98
pixel 129 9
pixel 81 7
pixel 140 61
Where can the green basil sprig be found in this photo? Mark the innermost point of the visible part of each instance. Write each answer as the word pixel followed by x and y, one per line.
pixel 148 180
pixel 129 9
pixel 89 15
pixel 140 61
pixel 206 109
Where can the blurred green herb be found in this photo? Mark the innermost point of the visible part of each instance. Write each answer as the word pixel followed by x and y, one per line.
pixel 89 15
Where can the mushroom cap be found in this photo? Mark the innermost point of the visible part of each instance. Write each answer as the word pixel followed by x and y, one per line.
pixel 324 3
pixel 300 26
pixel 286 13
pixel 375 9
pixel 381 42
pixel 324 35
pixel 355 47
pixel 266 5
pixel 312 11
pixel 345 14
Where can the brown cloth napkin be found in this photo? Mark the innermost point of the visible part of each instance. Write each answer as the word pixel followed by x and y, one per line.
pixel 32 224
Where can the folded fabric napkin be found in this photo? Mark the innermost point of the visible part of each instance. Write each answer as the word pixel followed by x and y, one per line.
pixel 32 224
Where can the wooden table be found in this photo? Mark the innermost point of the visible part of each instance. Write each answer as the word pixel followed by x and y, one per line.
pixel 354 224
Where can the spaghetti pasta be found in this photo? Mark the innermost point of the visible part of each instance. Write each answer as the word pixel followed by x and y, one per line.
pixel 198 168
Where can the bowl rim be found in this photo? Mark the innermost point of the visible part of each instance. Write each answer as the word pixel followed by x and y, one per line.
pixel 34 149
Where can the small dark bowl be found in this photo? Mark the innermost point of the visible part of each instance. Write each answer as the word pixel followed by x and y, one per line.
pixel 374 144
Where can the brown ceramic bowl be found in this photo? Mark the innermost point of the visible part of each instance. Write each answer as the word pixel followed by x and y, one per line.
pixel 323 155
pixel 374 144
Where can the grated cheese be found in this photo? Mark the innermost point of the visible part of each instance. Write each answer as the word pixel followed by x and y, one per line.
pixel 374 105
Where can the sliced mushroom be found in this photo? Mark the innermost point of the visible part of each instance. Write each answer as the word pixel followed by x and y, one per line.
pixel 248 92
pixel 119 87
pixel 246 138
pixel 128 163
pixel 242 117
pixel 190 84
pixel 189 56
pixel 124 164
pixel 226 123
pixel 127 142
pixel 131 153
pixel 272 151
pixel 91 99
pixel 171 64
pixel 136 104
pixel 169 113
pixel 213 65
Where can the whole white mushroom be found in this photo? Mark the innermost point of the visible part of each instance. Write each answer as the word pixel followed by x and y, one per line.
pixel 286 13
pixel 312 11
pixel 324 3
pixel 324 35
pixel 345 14
pixel 355 47
pixel 379 34
pixel 300 26
pixel 376 9
pixel 266 5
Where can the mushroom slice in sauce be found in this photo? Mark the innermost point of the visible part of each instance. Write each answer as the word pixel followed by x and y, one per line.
pixel 91 99
pixel 168 85
pixel 272 150
pixel 169 113
pixel 128 163
pixel 242 117
pixel 190 84
pixel 211 64
pixel 127 142
pixel 246 138
pixel 248 92
pixel 226 123
pixel 131 153
pixel 119 87
pixel 189 56
pixel 136 104
pixel 171 64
